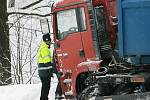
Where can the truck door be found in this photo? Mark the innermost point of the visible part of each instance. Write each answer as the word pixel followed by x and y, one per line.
pixel 70 25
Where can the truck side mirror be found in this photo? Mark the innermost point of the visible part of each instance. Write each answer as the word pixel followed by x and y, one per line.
pixel 45 26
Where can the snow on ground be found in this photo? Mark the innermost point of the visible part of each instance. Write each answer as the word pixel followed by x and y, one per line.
pixel 26 91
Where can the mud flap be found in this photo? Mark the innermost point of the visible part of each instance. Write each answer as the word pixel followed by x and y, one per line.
pixel 139 96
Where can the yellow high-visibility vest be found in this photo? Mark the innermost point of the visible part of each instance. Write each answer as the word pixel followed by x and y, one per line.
pixel 44 53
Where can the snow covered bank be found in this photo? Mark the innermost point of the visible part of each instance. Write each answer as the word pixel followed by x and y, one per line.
pixel 25 91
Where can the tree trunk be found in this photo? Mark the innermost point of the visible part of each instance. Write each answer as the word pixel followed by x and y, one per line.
pixel 5 67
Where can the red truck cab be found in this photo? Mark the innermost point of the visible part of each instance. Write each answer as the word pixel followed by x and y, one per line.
pixel 76 36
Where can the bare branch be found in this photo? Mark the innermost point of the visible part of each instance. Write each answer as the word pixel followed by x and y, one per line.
pixel 41 7
pixel 28 28
pixel 31 76
pixel 33 14
pixel 32 4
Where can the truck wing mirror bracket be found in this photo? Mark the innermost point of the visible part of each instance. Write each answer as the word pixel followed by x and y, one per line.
pixel 45 26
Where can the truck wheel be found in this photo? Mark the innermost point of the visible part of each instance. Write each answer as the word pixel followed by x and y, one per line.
pixel 89 92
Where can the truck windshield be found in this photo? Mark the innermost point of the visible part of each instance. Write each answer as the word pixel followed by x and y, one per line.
pixel 70 21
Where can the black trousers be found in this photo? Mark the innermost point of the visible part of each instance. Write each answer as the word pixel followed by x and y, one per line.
pixel 58 89
pixel 45 87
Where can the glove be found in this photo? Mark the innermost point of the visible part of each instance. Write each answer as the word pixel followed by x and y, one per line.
pixel 58 74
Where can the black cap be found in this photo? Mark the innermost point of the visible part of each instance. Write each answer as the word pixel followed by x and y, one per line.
pixel 46 37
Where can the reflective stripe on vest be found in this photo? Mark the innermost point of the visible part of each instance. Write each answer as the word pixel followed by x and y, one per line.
pixel 46 57
pixel 44 68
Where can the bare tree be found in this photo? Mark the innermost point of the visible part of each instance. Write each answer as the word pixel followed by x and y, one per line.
pixel 24 43
pixel 23 49
pixel 4 46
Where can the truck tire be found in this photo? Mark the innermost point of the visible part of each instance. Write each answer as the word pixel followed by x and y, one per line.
pixel 89 92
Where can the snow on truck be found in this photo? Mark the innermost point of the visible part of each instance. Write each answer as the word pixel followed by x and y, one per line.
pixel 102 48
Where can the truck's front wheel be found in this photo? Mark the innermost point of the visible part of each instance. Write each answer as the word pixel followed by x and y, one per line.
pixel 89 92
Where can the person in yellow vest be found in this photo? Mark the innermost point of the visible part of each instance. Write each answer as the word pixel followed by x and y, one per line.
pixel 45 66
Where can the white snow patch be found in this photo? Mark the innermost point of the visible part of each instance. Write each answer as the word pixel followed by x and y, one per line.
pixel 26 91
pixel 89 63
